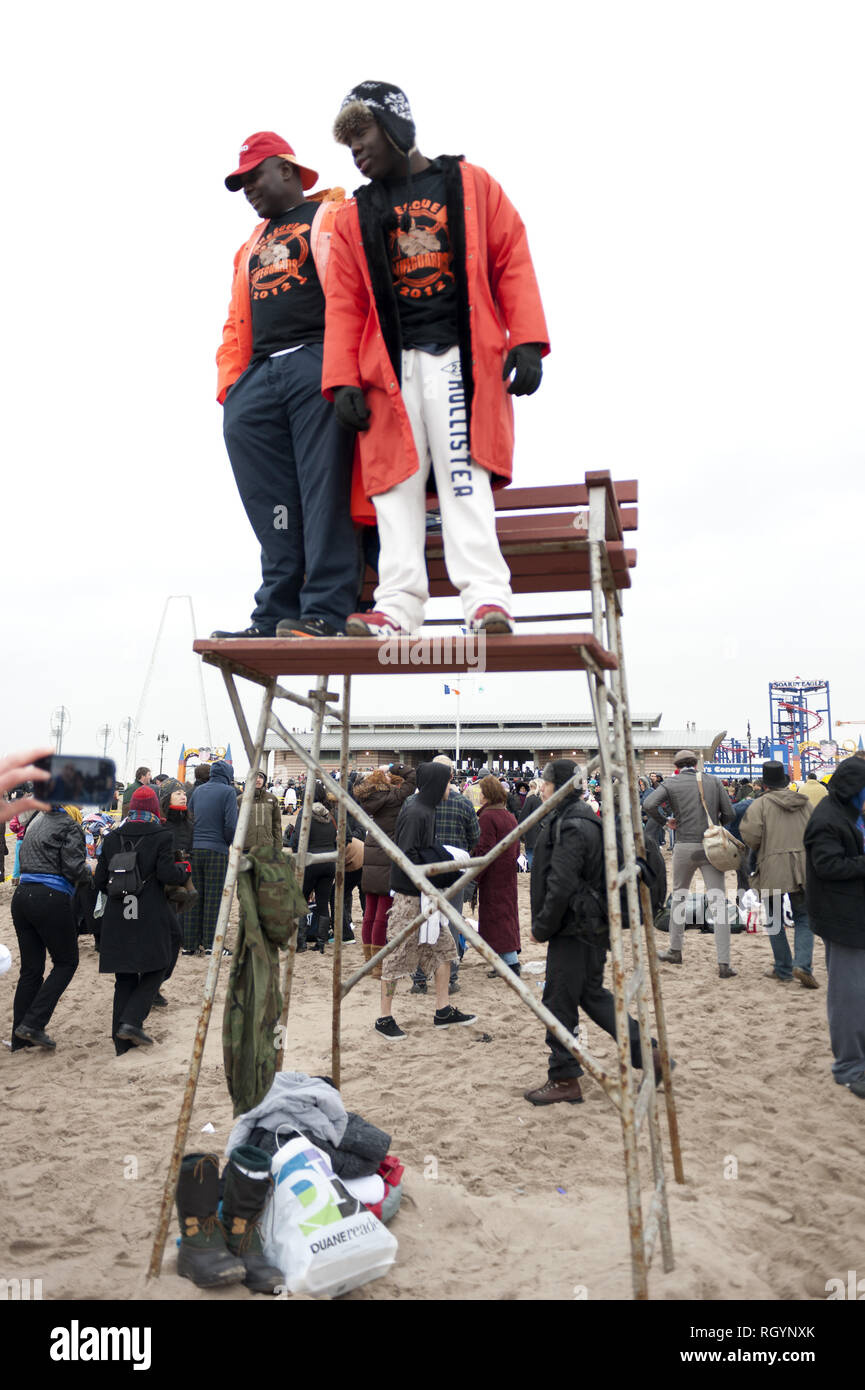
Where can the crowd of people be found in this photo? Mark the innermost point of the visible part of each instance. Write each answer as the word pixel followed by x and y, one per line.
pixel 802 848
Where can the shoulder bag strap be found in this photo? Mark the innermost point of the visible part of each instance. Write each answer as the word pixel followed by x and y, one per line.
pixel 702 798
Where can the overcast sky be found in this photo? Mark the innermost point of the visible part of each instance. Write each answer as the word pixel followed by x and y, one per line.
pixel 690 175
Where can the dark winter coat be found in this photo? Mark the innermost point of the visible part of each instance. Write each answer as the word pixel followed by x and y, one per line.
pixel 215 810
pixel 55 844
pixel 657 877
pixel 415 829
pixel 531 803
pixel 384 805
pixel 498 913
pixel 568 892
pixel 322 830
pixel 181 825
pixel 138 944
pixel 835 860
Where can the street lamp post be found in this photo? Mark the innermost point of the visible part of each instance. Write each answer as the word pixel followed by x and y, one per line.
pixel 161 739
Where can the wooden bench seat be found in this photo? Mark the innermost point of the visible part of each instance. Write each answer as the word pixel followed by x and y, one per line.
pixel 543 533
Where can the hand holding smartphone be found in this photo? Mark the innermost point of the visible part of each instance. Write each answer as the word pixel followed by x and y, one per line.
pixel 78 781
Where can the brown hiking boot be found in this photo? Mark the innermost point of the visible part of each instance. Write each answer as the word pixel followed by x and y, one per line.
pixel 805 978
pixel 555 1091
pixel 671 957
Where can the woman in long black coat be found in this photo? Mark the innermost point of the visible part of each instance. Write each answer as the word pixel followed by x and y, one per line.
pixel 136 943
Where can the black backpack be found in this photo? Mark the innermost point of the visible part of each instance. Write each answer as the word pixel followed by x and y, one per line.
pixel 124 874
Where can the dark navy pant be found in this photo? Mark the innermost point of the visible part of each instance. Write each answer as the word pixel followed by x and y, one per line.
pixel 292 464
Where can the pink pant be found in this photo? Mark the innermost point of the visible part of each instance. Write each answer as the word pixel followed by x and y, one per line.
pixel 374 929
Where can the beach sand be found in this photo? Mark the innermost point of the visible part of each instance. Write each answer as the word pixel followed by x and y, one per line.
pixel 502 1200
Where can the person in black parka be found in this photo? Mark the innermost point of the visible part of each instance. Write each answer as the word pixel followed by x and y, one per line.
pixel 835 897
pixel 568 902
pixel 322 839
pixel 136 943
pixel 53 861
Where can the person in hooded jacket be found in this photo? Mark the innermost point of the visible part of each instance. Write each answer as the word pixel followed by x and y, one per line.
pixel 264 826
pixel 53 860
pixel 214 808
pixel 432 306
pixel 568 901
pixel 774 826
pixel 431 946
pixel 318 877
pixel 381 794
pixel 835 895
pixel 136 945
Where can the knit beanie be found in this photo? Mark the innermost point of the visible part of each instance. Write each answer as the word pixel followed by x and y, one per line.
pixel 560 771
pixel 145 799
pixel 387 104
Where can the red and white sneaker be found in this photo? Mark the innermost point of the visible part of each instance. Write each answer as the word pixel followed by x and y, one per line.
pixel 372 625
pixel 491 618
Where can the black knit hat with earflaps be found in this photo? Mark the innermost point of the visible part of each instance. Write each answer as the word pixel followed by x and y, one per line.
pixel 388 105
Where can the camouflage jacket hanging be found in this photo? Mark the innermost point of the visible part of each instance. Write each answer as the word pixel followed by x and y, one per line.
pixel 270 901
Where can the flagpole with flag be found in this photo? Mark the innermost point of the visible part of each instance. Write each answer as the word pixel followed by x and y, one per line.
pixel 452 690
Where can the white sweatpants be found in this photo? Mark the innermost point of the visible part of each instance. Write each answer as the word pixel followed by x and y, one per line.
pixel 432 389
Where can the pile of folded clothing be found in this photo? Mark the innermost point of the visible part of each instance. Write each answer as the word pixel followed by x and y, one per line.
pixel 297 1104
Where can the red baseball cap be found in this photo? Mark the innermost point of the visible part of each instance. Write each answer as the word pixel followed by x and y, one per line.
pixel 256 148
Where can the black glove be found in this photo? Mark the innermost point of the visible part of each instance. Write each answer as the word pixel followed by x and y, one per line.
pixel 525 362
pixel 351 408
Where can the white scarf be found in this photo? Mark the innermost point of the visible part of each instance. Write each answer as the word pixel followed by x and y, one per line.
pixel 435 920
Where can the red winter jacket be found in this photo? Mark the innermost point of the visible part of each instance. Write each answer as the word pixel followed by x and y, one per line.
pixel 505 309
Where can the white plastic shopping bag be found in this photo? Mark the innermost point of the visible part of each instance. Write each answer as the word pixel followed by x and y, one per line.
pixel 323 1239
pixel 753 910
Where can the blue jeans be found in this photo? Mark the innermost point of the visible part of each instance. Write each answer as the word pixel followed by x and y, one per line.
pixel 291 460
pixel 530 854
pixel 803 937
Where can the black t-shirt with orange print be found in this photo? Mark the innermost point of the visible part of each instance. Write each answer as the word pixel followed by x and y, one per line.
pixel 286 294
pixel 420 261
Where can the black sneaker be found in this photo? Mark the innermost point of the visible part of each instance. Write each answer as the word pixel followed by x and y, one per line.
pixel 389 1029
pixel 247 632
pixel 418 987
pixel 444 1018
pixel 128 1032
pixel 36 1036
pixel 160 1002
pixel 306 627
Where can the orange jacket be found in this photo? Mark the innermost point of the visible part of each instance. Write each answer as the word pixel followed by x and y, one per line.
pixel 235 350
pixel 505 307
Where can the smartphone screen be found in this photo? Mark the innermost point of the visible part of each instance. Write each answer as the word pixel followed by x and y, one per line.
pixel 78 781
